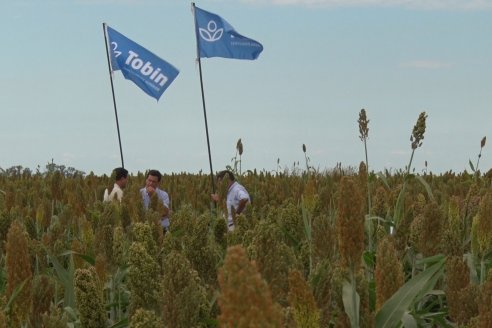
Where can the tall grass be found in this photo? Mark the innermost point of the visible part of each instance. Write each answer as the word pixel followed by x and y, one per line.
pixel 303 226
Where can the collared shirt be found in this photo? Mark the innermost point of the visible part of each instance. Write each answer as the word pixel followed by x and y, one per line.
pixel 163 197
pixel 116 192
pixel 235 194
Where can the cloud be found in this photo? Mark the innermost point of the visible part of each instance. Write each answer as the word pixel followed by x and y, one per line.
pixel 426 64
pixel 68 158
pixel 409 4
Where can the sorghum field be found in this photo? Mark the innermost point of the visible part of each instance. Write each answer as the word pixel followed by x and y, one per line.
pixel 340 248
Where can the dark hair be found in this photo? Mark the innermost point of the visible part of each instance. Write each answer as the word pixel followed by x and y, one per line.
pixel 230 175
pixel 155 173
pixel 120 173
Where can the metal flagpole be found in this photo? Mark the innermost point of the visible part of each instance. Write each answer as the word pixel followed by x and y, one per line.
pixel 203 98
pixel 112 90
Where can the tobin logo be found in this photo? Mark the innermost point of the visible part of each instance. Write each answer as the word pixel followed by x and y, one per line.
pixel 137 64
pixel 146 68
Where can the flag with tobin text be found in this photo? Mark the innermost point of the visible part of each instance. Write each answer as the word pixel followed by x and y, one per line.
pixel 217 38
pixel 149 72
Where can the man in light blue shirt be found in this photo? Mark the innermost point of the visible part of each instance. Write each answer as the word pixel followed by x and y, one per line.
pixel 152 183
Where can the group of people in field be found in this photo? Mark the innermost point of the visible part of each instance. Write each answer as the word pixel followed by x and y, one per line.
pixel 237 197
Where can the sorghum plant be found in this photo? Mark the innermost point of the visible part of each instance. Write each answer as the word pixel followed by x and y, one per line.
pixel 482 232
pixel 389 272
pixel 19 274
pixel 350 223
pixel 185 302
pixel 143 279
pixel 245 299
pixel 364 135
pixel 89 299
pixel 460 294
pixel 146 319
pixel 301 299
pixel 274 258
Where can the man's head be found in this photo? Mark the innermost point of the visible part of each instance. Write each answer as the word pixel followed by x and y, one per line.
pixel 225 174
pixel 121 176
pixel 153 179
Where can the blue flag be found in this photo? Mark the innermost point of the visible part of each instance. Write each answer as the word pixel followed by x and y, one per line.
pixel 152 74
pixel 217 38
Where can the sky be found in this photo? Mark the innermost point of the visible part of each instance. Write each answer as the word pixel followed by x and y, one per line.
pixel 323 61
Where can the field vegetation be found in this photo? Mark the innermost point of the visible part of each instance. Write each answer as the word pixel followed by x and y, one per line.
pixel 347 247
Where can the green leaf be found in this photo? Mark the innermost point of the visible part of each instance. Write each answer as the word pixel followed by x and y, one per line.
pixel 72 314
pixel 120 324
pixel 213 299
pixel 121 274
pixel 376 218
pixel 89 259
pixel 115 305
pixel 426 186
pixel 470 262
pixel 372 295
pixel 438 319
pixel 437 292
pixel 306 221
pixel 429 286
pixel 351 302
pixel 369 229
pixel 391 313
pixel 290 237
pixel 3 280
pixel 408 320
pixel 369 258
pixel 400 201
pixel 66 278
pixel 14 295
pixel 306 218
pixel 430 260
pixel 381 176
pixel 471 165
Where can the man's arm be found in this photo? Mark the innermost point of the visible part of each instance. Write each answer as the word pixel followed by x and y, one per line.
pixel 242 205
pixel 165 210
pixel 165 202
pixel 106 195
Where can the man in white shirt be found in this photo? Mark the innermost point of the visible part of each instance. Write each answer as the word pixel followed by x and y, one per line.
pixel 237 196
pixel 152 183
pixel 121 179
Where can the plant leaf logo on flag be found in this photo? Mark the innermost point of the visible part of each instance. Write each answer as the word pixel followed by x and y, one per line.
pixel 149 72
pixel 217 38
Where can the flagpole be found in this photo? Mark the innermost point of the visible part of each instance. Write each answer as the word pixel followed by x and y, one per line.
pixel 112 90
pixel 203 99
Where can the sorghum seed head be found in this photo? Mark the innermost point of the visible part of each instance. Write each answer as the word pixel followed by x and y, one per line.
pixel 239 147
pixel 363 125
pixel 418 131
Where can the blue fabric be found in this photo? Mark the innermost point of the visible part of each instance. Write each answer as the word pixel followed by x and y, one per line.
pixel 150 73
pixel 217 38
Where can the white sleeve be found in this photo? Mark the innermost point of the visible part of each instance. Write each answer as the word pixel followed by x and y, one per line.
pixel 165 199
pixel 242 194
pixel 106 196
